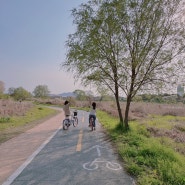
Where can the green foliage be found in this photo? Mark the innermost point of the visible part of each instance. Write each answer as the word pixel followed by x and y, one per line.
pixel 107 119
pixel 4 119
pixel 33 114
pixel 157 98
pixel 147 158
pixel 80 95
pixel 20 94
pixel 4 96
pixel 127 46
pixel 15 125
pixel 41 91
pixel 167 121
pixel 134 169
pixel 11 90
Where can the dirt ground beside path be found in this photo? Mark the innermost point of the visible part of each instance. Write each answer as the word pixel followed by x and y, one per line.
pixel 14 152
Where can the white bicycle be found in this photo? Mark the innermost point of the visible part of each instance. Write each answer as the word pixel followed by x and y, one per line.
pixel 73 119
pixel 94 165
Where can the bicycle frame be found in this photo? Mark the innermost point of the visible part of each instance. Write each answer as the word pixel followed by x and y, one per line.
pixel 72 119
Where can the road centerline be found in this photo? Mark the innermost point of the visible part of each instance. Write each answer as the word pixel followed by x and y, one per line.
pixel 79 144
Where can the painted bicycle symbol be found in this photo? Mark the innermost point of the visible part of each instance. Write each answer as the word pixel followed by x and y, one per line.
pixel 95 164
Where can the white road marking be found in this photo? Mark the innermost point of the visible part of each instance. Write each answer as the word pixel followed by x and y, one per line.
pixel 97 149
pixel 93 165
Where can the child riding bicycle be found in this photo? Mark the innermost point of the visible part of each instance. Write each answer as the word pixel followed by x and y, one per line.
pixel 66 109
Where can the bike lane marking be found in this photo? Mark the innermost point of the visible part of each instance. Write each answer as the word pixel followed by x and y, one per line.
pixel 93 165
pixel 79 144
pixel 97 147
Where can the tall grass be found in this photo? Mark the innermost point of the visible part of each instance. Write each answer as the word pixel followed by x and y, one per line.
pixel 149 159
pixel 9 107
pixel 17 124
pixel 139 109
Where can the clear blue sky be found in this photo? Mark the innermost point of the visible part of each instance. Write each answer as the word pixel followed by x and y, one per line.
pixel 32 43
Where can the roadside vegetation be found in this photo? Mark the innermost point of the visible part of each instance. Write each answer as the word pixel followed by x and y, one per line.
pixel 111 52
pixel 16 117
pixel 152 150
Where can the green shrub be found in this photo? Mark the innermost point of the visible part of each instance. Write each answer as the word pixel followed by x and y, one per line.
pixel 134 169
pixel 4 119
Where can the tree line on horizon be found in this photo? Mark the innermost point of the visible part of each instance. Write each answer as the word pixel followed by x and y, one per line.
pixel 20 93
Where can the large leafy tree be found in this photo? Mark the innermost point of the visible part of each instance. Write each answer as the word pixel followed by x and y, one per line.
pixel 127 46
pixel 41 91
pixel 95 48
pixel 11 91
pixel 153 38
pixel 80 94
pixel 20 93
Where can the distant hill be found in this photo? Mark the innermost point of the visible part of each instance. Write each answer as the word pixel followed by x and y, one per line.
pixel 67 94
pixel 63 95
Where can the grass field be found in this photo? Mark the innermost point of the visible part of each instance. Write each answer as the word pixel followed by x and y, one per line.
pixel 153 150
pixel 10 126
pixel 151 158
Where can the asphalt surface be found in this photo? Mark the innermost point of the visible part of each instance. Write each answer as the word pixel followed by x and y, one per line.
pixel 49 155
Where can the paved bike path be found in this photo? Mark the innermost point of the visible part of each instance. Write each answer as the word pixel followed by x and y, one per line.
pixel 77 156
pixel 16 151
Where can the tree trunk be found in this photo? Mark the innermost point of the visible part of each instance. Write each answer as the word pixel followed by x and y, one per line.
pixel 119 110
pixel 127 112
pixel 129 97
pixel 118 104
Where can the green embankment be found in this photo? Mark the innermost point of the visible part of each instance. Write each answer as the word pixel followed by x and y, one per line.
pixel 151 160
pixel 12 126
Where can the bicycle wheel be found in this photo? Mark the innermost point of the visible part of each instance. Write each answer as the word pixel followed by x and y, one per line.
pixel 92 123
pixel 75 122
pixel 65 124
